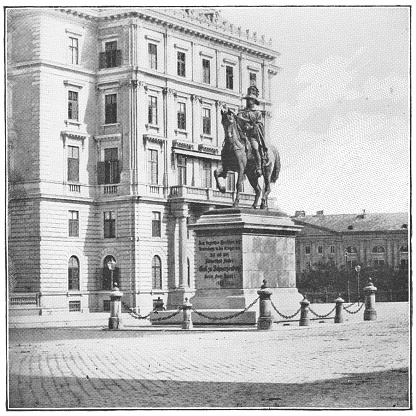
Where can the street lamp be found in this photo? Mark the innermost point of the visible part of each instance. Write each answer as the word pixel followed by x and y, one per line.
pixel 358 269
pixel 111 266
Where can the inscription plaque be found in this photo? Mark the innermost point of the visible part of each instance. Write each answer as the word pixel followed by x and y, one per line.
pixel 219 262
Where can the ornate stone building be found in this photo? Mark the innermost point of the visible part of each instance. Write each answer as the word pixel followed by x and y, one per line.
pixel 366 239
pixel 113 135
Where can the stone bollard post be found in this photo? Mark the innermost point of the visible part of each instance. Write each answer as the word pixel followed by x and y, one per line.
pixel 304 311
pixel 370 314
pixel 339 307
pixel 265 320
pixel 187 315
pixel 115 322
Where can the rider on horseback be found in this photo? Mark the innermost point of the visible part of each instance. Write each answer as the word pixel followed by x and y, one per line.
pixel 252 128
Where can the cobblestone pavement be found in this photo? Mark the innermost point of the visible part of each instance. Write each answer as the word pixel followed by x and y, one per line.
pixel 356 364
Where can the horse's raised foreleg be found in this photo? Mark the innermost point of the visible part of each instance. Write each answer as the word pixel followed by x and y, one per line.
pixel 220 173
pixel 254 182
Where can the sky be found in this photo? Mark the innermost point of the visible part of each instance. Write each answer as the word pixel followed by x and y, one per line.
pixel 340 105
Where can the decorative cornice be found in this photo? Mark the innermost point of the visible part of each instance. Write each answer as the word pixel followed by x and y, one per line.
pixel 74 135
pixel 155 139
pixel 209 26
pixel 104 137
pixel 182 145
pixel 207 149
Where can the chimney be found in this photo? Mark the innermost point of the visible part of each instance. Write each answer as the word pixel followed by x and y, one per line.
pixel 320 212
pixel 300 213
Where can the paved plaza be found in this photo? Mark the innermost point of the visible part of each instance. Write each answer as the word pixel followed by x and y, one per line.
pixel 356 364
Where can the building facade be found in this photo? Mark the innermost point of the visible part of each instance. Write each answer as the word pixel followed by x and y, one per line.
pixel 113 135
pixel 348 240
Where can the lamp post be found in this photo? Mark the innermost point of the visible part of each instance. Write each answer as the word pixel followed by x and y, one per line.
pixel 358 269
pixel 111 266
pixel 348 276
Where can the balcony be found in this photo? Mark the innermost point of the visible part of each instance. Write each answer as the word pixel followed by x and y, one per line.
pixel 74 188
pixel 110 189
pixel 110 59
pixel 192 193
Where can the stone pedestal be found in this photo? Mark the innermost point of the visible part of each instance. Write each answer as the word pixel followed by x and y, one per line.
pixel 235 250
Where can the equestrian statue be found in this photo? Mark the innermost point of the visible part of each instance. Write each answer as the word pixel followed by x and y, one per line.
pixel 244 150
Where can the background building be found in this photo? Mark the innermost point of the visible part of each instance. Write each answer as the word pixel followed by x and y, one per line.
pixel 349 239
pixel 113 135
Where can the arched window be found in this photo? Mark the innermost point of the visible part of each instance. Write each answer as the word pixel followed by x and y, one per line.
pixel 156 273
pixel 352 250
pixel 404 249
pixel 378 249
pixel 107 275
pixel 73 273
pixel 189 271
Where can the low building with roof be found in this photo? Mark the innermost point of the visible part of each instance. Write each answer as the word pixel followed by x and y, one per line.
pixel 366 239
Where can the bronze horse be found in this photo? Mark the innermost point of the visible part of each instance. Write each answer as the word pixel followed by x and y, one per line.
pixel 236 158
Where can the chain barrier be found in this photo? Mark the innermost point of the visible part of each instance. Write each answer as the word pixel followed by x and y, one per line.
pixel 354 312
pixel 134 314
pixel 351 305
pixel 164 318
pixel 284 316
pixel 225 317
pixel 322 316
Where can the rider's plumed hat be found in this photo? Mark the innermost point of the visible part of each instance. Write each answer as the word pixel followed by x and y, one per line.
pixel 252 92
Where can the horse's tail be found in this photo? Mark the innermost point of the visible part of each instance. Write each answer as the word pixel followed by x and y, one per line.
pixel 276 168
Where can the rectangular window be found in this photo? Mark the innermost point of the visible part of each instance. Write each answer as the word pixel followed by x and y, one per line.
pixel 182 116
pixel 320 249
pixel 111 163
pixel 72 105
pixel 230 185
pixel 109 224
pixel 206 71
pixel 73 51
pixel 229 77
pixel 332 249
pixel 206 175
pixel 206 121
pixel 153 167
pixel 73 224
pixel 181 64
pixel 156 224
pixel 152 49
pixel 111 54
pixel 152 118
pixel 253 78
pixel 111 109
pixel 181 170
pixel 308 250
pixel 73 164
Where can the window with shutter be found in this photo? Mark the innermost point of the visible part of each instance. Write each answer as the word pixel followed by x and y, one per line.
pixel 181 64
pixel 182 116
pixel 229 75
pixel 153 167
pixel 111 109
pixel 72 105
pixel 73 224
pixel 206 71
pixel 152 49
pixel 206 121
pixel 109 224
pixel 73 164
